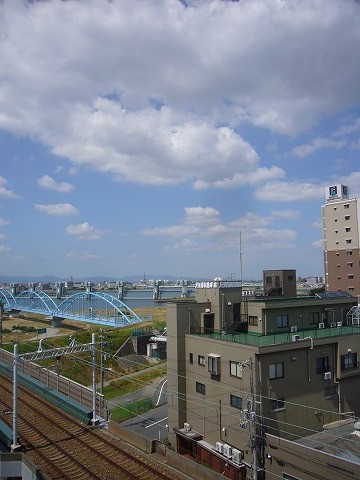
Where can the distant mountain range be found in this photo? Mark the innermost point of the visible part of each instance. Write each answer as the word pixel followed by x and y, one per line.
pixel 95 279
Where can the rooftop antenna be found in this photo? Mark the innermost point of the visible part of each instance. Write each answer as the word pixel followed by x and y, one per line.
pixel 241 267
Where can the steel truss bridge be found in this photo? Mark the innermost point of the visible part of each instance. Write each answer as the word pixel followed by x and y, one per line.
pixel 91 307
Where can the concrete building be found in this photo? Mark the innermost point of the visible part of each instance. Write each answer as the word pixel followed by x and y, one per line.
pixel 279 366
pixel 341 240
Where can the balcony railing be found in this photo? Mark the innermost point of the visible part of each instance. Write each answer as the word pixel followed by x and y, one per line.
pixel 260 340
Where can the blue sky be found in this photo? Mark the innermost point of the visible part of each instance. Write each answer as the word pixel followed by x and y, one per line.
pixel 145 137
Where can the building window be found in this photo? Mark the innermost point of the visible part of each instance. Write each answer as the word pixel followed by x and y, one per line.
pixel 191 358
pixel 276 370
pixel 214 364
pixel 348 361
pixel 236 402
pixel 336 231
pixel 268 280
pixel 330 391
pixel 349 264
pixel 351 289
pixel 322 364
pixel 236 370
pixel 253 320
pixel 201 360
pixel 349 252
pixel 350 277
pixel 282 321
pixel 277 404
pixel 348 229
pixel 347 217
pixel 348 241
pixel 315 317
pixel 200 388
pixel 346 205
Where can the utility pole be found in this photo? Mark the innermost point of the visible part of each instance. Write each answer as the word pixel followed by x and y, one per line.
pixel 249 418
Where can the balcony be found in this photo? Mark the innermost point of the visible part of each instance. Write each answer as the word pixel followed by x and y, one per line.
pixel 259 340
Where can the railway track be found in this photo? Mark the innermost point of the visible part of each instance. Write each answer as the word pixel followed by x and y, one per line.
pixel 64 448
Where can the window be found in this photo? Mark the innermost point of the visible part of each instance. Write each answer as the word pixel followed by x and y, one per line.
pixel 349 264
pixel 236 370
pixel 346 205
pixel 351 289
pixel 348 229
pixel 330 391
pixel 276 370
pixel 347 217
pixel 282 321
pixel 348 361
pixel 290 277
pixel 268 280
pixel 200 388
pixel 349 252
pixel 277 404
pixel 315 317
pixel 322 364
pixel 350 277
pixel 253 320
pixel 191 358
pixel 201 360
pixel 348 241
pixel 236 402
pixel 214 364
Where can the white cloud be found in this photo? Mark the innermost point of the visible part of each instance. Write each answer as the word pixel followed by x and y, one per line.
pixel 59 209
pixel 5 192
pixel 318 244
pixel 318 144
pixel 289 192
pixel 3 222
pixel 290 214
pixel 83 255
pixel 201 215
pixel 84 231
pixel 207 66
pixel 48 182
pixel 4 248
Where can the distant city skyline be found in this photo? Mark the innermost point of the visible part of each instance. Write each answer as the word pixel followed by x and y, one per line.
pixel 154 142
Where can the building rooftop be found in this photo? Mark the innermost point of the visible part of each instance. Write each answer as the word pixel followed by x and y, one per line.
pixel 261 340
pixel 342 441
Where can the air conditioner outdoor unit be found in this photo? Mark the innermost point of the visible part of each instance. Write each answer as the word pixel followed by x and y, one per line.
pixel 321 325
pixel 187 427
pixel 339 324
pixel 327 376
pixel 295 338
pixel 293 329
pixel 227 450
pixel 237 456
pixel 219 447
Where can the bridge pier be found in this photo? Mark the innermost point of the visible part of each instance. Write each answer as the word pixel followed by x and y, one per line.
pixel 56 322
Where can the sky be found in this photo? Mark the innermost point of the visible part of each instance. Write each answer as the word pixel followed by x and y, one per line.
pixel 185 138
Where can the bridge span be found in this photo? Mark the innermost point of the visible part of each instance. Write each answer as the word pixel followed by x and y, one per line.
pixel 91 307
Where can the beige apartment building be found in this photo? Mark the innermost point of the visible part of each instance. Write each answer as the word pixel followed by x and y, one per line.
pixel 341 240
pixel 242 371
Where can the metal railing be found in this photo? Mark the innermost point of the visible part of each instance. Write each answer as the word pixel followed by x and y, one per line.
pixel 261 340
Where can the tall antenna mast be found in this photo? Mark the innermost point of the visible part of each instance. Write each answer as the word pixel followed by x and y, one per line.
pixel 241 267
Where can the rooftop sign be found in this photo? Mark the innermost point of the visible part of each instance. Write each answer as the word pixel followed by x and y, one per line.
pixel 218 284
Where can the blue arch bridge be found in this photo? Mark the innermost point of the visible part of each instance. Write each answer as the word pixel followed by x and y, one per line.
pixel 91 307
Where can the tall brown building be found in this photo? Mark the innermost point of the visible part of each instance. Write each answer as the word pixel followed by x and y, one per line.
pixel 341 240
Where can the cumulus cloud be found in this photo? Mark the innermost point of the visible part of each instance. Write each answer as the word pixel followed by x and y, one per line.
pixel 318 144
pixel 84 231
pixel 83 255
pixel 203 229
pixel 59 209
pixel 48 182
pixel 318 244
pixel 290 214
pixel 4 248
pixel 289 192
pixel 5 192
pixel 162 97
